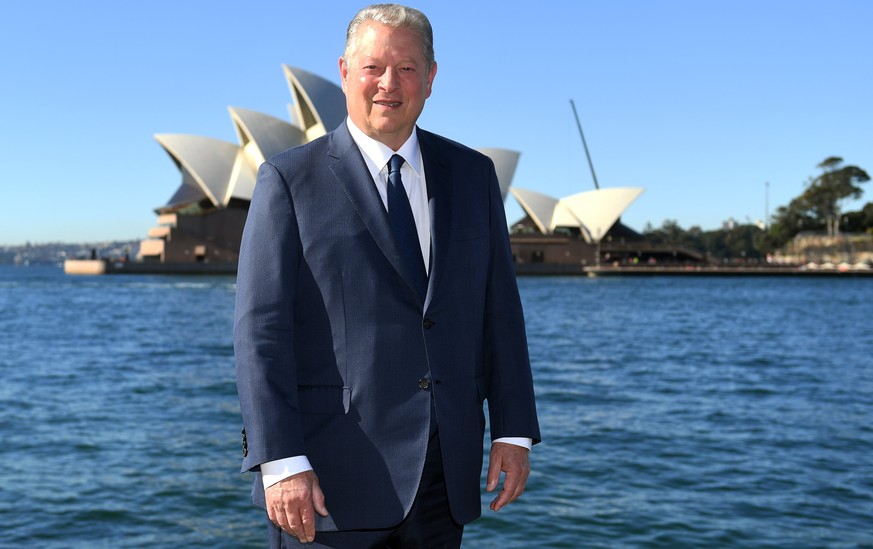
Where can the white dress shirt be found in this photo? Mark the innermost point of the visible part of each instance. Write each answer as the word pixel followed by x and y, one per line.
pixel 376 156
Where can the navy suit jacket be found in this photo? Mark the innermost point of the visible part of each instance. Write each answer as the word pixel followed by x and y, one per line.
pixel 332 341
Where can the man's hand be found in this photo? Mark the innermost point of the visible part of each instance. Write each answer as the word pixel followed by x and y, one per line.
pixel 514 461
pixel 293 502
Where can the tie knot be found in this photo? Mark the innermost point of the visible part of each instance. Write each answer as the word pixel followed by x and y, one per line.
pixel 395 163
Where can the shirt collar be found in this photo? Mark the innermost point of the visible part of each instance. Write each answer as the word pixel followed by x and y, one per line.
pixel 380 154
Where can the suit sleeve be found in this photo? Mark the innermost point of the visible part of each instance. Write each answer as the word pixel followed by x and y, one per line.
pixel 509 382
pixel 263 335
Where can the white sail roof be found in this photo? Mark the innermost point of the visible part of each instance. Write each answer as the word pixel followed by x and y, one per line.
pixel 598 210
pixel 540 207
pixel 242 179
pixel 594 211
pixel 189 192
pixel 505 162
pixel 218 168
pixel 269 134
pixel 320 104
pixel 209 161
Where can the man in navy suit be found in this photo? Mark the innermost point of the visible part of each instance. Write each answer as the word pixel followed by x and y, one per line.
pixel 367 339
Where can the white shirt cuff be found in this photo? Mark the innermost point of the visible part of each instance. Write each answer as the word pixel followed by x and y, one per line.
pixel 518 441
pixel 280 469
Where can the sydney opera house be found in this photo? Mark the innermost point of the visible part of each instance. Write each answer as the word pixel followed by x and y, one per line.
pixel 203 220
pixel 200 227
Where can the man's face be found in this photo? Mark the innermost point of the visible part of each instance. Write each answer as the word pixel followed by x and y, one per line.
pixel 386 82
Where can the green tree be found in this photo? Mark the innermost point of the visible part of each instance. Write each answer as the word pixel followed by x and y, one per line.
pixel 824 195
pixel 818 208
pixel 742 242
pixel 790 220
pixel 860 221
pixel 670 232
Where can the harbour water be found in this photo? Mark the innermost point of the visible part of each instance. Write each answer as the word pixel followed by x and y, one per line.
pixel 676 412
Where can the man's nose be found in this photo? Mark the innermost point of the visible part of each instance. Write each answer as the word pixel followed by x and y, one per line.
pixel 389 80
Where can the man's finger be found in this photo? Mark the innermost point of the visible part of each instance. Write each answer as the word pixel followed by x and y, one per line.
pixel 291 520
pixel 307 525
pixel 511 491
pixel 274 514
pixel 501 500
pixel 494 466
pixel 318 500
pixel 514 462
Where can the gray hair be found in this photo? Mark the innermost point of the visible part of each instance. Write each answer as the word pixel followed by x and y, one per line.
pixel 396 16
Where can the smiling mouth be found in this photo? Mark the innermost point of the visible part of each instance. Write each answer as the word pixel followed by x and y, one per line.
pixel 388 103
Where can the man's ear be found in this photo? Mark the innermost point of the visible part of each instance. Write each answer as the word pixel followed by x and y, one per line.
pixel 344 72
pixel 430 78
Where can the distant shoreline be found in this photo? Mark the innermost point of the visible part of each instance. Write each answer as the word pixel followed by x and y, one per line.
pixel 53 253
pixel 107 267
pixel 541 269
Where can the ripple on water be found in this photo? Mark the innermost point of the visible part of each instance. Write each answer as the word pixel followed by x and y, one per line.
pixel 675 413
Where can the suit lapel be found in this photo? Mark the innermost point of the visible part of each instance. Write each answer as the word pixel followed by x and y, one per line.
pixel 438 174
pixel 348 166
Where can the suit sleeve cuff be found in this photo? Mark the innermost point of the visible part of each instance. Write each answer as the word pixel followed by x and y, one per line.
pixel 518 441
pixel 280 469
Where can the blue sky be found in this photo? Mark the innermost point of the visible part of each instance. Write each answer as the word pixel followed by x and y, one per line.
pixel 700 102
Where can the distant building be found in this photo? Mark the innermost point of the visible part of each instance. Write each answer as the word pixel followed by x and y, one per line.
pixel 203 220
pixel 567 234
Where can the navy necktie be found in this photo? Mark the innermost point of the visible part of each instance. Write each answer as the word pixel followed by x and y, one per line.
pixel 403 225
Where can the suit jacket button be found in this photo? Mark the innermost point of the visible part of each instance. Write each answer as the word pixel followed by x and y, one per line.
pixel 428 323
pixel 245 443
pixel 423 383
